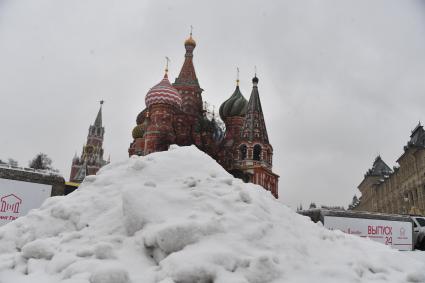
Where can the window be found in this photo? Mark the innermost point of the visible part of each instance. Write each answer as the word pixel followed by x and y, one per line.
pixel 257 152
pixel 243 152
pixel 421 221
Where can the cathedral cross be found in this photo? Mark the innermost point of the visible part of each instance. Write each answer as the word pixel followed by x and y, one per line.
pixel 167 61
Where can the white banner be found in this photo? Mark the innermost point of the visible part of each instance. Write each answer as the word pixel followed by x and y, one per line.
pixel 397 234
pixel 17 198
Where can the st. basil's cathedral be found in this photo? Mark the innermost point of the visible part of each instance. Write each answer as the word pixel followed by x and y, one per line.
pixel 174 114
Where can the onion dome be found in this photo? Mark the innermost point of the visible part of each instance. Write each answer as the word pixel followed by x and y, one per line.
pixel 190 41
pixel 138 132
pixel 163 92
pixel 236 105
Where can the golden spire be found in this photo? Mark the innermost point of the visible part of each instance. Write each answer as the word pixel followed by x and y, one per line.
pixel 237 76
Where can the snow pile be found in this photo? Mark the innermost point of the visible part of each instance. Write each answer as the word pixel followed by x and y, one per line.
pixel 177 216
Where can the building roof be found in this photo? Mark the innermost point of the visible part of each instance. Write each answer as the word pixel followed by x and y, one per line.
pixel 379 168
pixel 417 138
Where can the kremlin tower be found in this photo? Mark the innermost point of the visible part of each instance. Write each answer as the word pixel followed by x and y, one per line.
pixel 91 159
pixel 174 114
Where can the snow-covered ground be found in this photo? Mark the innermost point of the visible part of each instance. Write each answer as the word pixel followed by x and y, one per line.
pixel 177 216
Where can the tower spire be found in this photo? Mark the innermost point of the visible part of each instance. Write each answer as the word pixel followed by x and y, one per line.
pixel 254 127
pixel 237 76
pixel 166 65
pixel 187 74
pixel 98 121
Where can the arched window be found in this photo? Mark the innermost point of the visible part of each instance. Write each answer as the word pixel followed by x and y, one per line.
pixel 243 151
pixel 257 152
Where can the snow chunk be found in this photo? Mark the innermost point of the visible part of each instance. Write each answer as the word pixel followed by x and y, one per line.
pixel 110 275
pixel 60 261
pixel 104 251
pixel 38 249
pixel 175 236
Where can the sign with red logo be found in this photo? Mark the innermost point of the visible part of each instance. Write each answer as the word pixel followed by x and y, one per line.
pixel 397 234
pixel 10 203
pixel 17 198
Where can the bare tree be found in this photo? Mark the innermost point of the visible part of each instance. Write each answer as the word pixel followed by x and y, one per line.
pixel 41 161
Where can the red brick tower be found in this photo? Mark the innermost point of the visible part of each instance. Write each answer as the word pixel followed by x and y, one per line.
pixel 162 102
pixel 91 159
pixel 187 83
pixel 188 121
pixel 254 150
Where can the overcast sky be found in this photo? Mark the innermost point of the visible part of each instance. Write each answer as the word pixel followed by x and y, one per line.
pixel 340 81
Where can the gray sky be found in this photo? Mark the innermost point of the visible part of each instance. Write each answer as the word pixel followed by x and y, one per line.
pixel 340 81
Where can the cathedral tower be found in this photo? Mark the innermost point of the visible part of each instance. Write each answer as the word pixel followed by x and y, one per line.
pixel 162 102
pixel 254 150
pixel 187 83
pixel 91 159
pixel 232 112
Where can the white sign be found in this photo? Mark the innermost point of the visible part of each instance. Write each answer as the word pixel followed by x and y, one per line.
pixel 397 234
pixel 17 198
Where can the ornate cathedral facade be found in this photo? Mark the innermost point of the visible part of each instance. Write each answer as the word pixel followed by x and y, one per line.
pixel 175 114
pixel 91 159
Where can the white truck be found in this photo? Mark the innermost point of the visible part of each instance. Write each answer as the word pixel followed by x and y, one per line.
pixel 419 231
pixel 396 231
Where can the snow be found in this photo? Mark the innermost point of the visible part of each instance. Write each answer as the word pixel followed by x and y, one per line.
pixel 177 216
pixel 26 169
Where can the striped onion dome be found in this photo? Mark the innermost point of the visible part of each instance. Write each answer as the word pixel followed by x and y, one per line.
pixel 163 92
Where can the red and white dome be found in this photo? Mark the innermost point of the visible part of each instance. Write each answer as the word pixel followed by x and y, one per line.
pixel 163 92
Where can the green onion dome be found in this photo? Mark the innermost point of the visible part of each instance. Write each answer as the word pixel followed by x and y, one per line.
pixel 138 132
pixel 236 105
